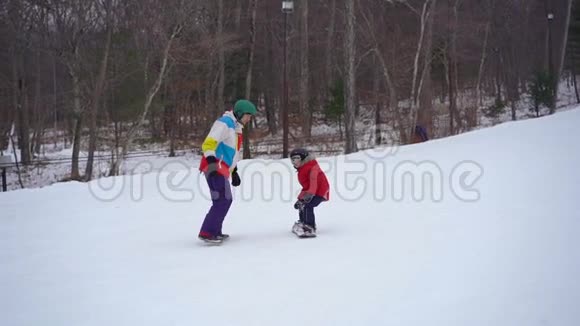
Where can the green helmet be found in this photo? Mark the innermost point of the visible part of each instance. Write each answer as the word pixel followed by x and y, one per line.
pixel 244 107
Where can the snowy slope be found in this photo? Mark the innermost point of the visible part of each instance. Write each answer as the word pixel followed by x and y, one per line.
pixel 486 235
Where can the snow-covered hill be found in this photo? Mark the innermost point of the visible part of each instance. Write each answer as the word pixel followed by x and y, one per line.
pixel 477 229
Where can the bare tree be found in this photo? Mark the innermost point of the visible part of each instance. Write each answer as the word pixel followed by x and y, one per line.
pixel 99 89
pixel 253 8
pixel 20 17
pixel 74 21
pixel 482 61
pixel 149 98
pixel 238 14
pixel 425 14
pixel 329 45
pixel 566 12
pixel 350 78
pixel 451 65
pixel 221 56
pixel 425 111
pixel 371 27
pixel 181 12
pixel 304 83
pixel 146 66
pixel 266 82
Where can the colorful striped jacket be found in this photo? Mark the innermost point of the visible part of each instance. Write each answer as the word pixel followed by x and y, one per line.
pixel 224 142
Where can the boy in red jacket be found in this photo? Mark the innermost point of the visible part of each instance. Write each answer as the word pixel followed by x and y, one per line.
pixel 315 189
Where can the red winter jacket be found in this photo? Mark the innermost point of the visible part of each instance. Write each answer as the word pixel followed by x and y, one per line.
pixel 313 180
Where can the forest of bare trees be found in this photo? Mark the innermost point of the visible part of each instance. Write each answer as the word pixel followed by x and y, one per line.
pixel 100 73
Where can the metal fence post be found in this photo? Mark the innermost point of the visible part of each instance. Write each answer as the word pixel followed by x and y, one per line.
pixel 5 162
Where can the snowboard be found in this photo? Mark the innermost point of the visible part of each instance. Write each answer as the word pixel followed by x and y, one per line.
pixel 215 242
pixel 212 243
pixel 299 232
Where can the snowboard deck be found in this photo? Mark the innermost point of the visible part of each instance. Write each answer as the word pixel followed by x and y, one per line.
pixel 297 230
pixel 215 242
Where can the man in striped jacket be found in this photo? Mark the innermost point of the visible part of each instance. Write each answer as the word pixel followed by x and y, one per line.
pixel 221 152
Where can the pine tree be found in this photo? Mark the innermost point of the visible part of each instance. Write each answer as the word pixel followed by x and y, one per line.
pixel 541 90
pixel 334 108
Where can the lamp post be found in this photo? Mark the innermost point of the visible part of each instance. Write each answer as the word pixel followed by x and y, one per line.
pixel 550 17
pixel 287 8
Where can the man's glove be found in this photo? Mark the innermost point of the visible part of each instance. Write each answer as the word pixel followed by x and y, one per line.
pixel 299 205
pixel 211 166
pixel 236 181
pixel 307 197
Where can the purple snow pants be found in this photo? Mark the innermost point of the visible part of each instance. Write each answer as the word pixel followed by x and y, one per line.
pixel 221 197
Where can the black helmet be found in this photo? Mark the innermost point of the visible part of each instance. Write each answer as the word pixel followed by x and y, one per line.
pixel 303 153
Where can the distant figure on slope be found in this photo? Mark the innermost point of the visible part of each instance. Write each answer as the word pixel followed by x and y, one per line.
pixel 315 189
pixel 419 135
pixel 221 152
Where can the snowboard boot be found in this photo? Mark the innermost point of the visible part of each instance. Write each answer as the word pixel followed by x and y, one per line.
pixel 297 228
pixel 206 237
pixel 308 231
pixel 222 236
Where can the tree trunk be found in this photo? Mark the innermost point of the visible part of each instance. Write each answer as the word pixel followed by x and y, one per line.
pixel 172 132
pixel 55 104
pixel 238 14
pixel 21 107
pixel 498 97
pixel 478 97
pixel 392 90
pixel 95 103
pixel 304 71
pixel 573 59
pixel 153 124
pixel 269 85
pixel 378 104
pixel 248 94
pixel 425 113
pixel 221 56
pixel 11 140
pixel 560 63
pixel 78 118
pixel 341 134
pixel 24 142
pixel 378 123
pixel 75 174
pixel 451 94
pixel 550 59
pixel 384 70
pixel 270 113
pixel 329 78
pixel 350 80
pixel 455 59
pixel 512 79
pixel 236 77
pixel 116 137
pixel 37 113
pixel 426 13
pixel 211 109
